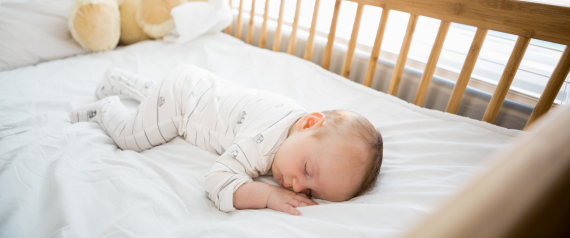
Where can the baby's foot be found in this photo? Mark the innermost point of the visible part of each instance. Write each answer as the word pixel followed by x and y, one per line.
pixel 106 88
pixel 120 82
pixel 86 112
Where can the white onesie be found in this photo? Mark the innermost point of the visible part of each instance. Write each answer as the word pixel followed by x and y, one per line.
pixel 244 126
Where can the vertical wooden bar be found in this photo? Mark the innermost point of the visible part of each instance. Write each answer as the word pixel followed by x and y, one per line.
pixel 376 49
pixel 229 28
pixel 506 80
pixel 238 23
pixel 330 41
pixel 552 88
pixel 310 44
pixel 403 56
pixel 250 27
pixel 293 36
pixel 352 43
pixel 431 64
pixel 263 33
pixel 277 40
pixel 466 72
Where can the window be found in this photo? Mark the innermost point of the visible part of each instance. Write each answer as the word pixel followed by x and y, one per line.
pixel 534 72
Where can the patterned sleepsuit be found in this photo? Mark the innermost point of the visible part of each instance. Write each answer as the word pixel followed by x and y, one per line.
pixel 244 126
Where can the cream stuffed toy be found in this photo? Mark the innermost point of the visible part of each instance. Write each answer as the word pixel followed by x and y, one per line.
pixel 95 24
pixel 131 32
pixel 153 16
pixel 99 25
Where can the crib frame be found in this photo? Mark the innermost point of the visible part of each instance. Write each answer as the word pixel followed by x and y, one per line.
pixel 525 19
pixel 543 153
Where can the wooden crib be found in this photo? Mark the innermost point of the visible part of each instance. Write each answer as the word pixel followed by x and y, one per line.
pixel 525 19
pixel 542 155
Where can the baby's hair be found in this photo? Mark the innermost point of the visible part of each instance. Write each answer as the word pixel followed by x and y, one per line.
pixel 362 129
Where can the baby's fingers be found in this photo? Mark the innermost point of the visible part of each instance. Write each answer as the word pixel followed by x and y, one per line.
pixel 297 203
pixel 303 195
pixel 290 209
pixel 305 200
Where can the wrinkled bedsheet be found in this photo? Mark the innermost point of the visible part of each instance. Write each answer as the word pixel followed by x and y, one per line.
pixel 64 180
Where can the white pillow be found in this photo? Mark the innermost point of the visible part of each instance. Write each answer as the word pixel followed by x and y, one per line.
pixel 33 32
pixel 195 18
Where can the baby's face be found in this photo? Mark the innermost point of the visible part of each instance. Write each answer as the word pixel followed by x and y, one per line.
pixel 329 168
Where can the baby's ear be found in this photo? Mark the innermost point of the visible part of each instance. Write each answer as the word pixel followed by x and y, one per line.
pixel 311 120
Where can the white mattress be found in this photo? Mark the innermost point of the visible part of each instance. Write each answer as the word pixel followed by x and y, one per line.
pixel 64 180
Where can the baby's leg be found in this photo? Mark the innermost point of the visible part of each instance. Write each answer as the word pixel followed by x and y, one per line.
pixel 155 122
pixel 137 131
pixel 120 82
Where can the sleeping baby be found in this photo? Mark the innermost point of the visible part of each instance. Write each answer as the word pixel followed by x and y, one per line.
pixel 331 155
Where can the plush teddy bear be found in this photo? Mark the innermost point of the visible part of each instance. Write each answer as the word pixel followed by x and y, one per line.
pixel 99 25
pixel 131 32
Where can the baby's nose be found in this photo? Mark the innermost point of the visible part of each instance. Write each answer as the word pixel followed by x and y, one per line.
pixel 298 186
pixel 295 185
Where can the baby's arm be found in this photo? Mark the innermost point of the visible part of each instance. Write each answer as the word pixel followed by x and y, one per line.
pixel 230 186
pixel 261 195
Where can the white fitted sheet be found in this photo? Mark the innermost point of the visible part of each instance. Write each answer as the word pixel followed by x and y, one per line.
pixel 59 179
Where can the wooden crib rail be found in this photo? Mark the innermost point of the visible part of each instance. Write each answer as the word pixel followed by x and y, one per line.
pixel 293 36
pixel 332 32
pixel 425 81
pixel 263 33
pixel 552 87
pixel 310 45
pixel 523 18
pixel 376 49
pixel 277 39
pixel 250 28
pixel 506 79
pixel 466 71
pixel 403 56
pixel 352 43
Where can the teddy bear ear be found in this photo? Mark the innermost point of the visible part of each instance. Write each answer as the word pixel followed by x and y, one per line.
pixel 131 32
pixel 153 16
pixel 95 24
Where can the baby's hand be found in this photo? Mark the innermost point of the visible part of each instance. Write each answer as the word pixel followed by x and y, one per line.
pixel 284 200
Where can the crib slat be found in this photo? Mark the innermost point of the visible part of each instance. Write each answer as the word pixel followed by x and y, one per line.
pixel 250 27
pixel 506 80
pixel 229 28
pixel 310 45
pixel 376 49
pixel 238 22
pixel 293 36
pixel 352 43
pixel 466 72
pixel 552 88
pixel 277 40
pixel 330 41
pixel 431 64
pixel 538 19
pixel 263 33
pixel 403 56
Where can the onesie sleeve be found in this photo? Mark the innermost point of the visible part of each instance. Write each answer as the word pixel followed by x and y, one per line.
pixel 236 166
